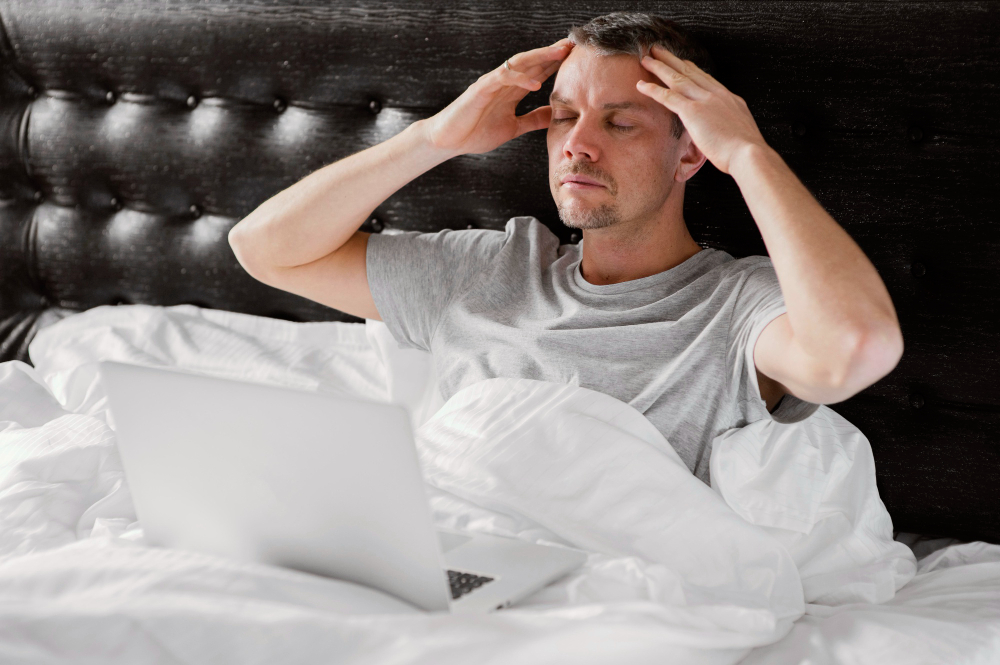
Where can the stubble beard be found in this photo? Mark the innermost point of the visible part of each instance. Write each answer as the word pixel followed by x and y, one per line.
pixel 599 217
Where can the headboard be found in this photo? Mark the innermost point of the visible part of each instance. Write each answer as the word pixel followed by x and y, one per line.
pixel 134 135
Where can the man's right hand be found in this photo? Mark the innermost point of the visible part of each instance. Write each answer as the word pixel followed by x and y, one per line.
pixel 482 118
pixel 306 239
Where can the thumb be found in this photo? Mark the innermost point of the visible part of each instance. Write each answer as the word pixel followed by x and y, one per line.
pixel 535 120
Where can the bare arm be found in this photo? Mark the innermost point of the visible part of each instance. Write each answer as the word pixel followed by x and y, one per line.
pixel 841 333
pixel 305 239
pixel 838 306
pixel 321 212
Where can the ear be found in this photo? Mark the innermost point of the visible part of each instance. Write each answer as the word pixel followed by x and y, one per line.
pixel 691 158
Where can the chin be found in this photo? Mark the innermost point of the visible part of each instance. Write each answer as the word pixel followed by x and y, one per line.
pixel 598 217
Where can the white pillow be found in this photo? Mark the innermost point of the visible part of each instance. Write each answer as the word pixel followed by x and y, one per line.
pixel 346 358
pixel 322 356
pixel 811 485
pixel 411 379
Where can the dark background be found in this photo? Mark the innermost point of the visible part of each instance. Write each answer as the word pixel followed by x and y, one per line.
pixel 134 135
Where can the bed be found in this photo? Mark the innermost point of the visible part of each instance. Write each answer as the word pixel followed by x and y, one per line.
pixel 135 136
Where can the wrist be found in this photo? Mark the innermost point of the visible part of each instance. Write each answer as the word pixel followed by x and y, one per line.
pixel 750 157
pixel 420 134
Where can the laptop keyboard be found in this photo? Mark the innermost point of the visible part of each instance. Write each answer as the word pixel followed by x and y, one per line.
pixel 463 583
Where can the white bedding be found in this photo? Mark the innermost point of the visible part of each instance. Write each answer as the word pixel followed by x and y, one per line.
pixel 788 558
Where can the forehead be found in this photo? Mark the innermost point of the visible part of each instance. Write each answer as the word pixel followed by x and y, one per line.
pixel 586 79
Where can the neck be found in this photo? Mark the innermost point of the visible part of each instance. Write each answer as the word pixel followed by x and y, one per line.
pixel 625 252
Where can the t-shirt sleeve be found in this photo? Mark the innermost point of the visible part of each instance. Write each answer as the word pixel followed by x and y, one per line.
pixel 414 276
pixel 758 302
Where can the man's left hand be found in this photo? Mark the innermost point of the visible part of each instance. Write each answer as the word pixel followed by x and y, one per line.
pixel 719 122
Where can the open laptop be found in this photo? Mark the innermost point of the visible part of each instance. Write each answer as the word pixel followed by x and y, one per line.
pixel 317 482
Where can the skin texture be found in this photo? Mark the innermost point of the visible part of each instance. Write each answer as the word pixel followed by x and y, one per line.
pixel 840 333
pixel 634 226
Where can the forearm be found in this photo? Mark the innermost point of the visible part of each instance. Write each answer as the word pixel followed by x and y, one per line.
pixel 321 212
pixel 837 303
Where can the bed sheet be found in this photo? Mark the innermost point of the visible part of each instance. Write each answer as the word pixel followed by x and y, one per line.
pixel 542 462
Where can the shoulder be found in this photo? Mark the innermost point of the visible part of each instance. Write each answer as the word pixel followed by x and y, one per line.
pixel 725 273
pixel 452 241
pixel 746 272
pixel 530 229
pixel 526 236
pixel 747 265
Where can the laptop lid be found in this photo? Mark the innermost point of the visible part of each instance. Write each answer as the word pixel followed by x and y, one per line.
pixel 317 482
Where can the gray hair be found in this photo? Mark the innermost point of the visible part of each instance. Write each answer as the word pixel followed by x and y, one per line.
pixel 633 33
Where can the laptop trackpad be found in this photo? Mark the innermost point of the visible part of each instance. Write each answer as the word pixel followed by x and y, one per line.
pixel 450 541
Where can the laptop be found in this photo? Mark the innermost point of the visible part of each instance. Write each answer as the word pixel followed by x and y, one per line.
pixel 317 482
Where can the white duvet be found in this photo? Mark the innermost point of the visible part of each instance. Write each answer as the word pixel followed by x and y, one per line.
pixel 789 557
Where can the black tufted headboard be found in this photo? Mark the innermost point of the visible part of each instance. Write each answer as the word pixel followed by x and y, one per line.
pixel 135 134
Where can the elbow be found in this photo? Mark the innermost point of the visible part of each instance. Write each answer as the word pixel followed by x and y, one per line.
pixel 235 238
pixel 242 249
pixel 876 353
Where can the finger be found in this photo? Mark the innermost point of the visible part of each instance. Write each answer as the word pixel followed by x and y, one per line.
pixel 548 59
pixel 686 67
pixel 541 56
pixel 549 71
pixel 672 99
pixel 497 82
pixel 540 118
pixel 531 79
pixel 674 79
pixel 522 80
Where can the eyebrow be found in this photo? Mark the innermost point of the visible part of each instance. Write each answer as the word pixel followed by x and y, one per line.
pixel 554 97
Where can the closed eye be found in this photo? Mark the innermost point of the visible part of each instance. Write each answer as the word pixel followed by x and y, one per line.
pixel 621 128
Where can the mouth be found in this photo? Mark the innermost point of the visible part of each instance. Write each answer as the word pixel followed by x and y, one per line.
pixel 581 182
pixel 580 185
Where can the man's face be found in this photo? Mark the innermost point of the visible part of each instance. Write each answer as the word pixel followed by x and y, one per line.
pixel 631 151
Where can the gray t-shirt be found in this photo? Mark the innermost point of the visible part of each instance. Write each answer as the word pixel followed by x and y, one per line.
pixel 677 345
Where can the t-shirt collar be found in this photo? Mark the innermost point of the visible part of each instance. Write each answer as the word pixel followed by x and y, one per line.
pixel 678 272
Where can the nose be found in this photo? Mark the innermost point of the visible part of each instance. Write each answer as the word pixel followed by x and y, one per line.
pixel 581 141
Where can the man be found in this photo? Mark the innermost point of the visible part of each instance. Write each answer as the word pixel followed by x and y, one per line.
pixel 697 341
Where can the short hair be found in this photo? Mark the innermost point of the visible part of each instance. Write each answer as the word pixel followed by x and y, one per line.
pixel 633 33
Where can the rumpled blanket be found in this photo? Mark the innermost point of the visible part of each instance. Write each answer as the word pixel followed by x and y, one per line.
pixel 670 561
pixel 677 571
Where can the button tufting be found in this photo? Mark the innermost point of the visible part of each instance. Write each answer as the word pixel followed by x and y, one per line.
pixel 195 211
pixel 32 92
pixel 916 401
pixel 115 203
pixel 918 270
pixel 110 97
pixel 375 106
pixel 192 101
pixel 38 196
pixel 916 134
pixel 470 225
pixel 376 224
pixel 279 104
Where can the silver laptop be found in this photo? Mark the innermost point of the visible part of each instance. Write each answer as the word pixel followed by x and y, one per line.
pixel 316 482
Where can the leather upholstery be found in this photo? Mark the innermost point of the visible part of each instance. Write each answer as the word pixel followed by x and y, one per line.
pixel 133 135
